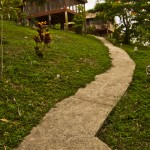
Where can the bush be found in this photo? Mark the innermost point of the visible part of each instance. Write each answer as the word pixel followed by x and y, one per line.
pixel 42 39
pixel 79 22
pixel 57 26
pixel 78 28
pixel 90 30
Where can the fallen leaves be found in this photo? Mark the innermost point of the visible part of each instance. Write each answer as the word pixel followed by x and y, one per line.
pixel 4 120
pixel 7 121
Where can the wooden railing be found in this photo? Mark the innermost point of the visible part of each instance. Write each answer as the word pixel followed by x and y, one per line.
pixel 52 6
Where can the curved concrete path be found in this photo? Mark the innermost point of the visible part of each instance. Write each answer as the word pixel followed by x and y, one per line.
pixel 74 122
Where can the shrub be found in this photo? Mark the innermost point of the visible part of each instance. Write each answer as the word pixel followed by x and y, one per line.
pixel 79 20
pixel 57 26
pixel 90 30
pixel 42 39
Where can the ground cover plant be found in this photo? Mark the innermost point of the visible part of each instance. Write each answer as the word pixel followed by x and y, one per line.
pixel 32 85
pixel 128 125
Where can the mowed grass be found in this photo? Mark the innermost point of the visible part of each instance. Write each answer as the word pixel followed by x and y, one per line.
pixel 31 86
pixel 128 126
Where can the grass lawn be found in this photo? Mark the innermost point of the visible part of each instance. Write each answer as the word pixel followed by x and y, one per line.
pixel 31 86
pixel 128 126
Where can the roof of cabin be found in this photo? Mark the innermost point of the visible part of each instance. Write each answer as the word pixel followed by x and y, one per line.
pixel 84 1
pixel 90 15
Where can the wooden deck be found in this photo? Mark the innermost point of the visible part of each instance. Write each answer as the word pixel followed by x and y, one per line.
pixel 54 11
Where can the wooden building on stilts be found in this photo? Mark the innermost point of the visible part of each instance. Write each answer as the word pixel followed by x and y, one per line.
pixel 54 11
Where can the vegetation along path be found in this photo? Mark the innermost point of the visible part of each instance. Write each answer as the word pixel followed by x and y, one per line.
pixel 74 122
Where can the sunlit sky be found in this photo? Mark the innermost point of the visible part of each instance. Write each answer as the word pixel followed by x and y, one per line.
pixel 91 4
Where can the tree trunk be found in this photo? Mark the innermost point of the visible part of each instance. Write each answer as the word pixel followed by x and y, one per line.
pixel 127 36
pixel 126 39
pixel 1 73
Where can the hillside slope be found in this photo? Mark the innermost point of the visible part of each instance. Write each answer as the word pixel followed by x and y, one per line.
pixel 31 86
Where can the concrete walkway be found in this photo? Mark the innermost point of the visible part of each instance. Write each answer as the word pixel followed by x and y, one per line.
pixel 74 122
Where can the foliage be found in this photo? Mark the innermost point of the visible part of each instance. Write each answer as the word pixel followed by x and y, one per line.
pixel 33 21
pixel 10 8
pixel 127 127
pixel 23 17
pixel 134 18
pixel 57 26
pixel 79 20
pixel 118 36
pixel 6 8
pixel 31 86
pixel 90 30
pixel 42 39
pixel 142 28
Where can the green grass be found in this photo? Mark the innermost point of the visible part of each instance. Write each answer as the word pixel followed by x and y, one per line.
pixel 128 125
pixel 30 86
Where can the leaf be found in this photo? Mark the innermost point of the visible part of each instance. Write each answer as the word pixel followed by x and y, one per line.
pixel 19 112
pixel 7 121
pixel 4 120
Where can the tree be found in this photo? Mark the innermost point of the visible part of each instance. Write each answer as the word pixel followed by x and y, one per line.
pixel 142 21
pixel 6 7
pixel 134 17
pixel 79 20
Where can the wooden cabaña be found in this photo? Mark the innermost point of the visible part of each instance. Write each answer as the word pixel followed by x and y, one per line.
pixel 54 11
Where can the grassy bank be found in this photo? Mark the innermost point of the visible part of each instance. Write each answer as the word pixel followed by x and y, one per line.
pixel 31 86
pixel 128 126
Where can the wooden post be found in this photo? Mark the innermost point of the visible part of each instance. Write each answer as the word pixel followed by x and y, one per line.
pixel 66 16
pixel 49 19
pixel 107 29
pixel 66 20
pixel 85 27
pixel 76 9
